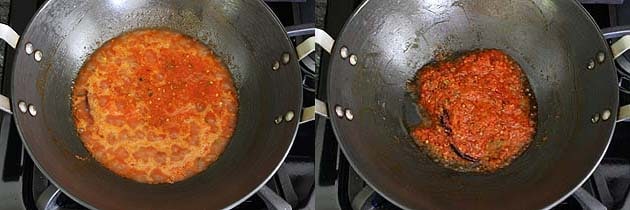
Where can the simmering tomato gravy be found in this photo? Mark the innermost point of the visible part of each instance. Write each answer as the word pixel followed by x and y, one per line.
pixel 154 106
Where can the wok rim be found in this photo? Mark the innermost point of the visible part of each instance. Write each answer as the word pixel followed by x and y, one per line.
pixel 353 159
pixel 294 123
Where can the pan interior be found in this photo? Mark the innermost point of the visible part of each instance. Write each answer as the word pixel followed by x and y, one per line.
pixel 244 34
pixel 553 41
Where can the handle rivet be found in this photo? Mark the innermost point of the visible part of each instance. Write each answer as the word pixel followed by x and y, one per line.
pixel 38 55
pixel 278 120
pixel 22 106
pixel 601 57
pixel 276 66
pixel 28 48
pixel 343 52
pixel 289 116
pixel 32 110
pixel 591 65
pixel 595 118
pixel 286 58
pixel 353 59
pixel 349 114
pixel 606 115
pixel 339 111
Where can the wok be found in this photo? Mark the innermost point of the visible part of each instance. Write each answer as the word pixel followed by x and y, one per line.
pixel 244 34
pixel 558 45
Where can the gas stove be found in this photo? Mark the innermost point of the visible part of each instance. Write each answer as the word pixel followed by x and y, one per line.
pixel 23 186
pixel 314 175
pixel 338 186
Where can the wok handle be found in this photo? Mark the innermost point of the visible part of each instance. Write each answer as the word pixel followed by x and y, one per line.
pixel 9 35
pixel 624 114
pixel 321 38
pixel 11 38
pixel 304 49
pixel 5 104
pixel 309 113
pixel 618 48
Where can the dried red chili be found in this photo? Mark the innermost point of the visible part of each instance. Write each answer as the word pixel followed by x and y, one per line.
pixel 480 110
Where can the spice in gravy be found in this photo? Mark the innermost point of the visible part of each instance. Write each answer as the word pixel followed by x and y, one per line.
pixel 154 106
pixel 480 109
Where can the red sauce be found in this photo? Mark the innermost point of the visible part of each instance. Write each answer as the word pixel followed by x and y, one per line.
pixel 154 106
pixel 479 109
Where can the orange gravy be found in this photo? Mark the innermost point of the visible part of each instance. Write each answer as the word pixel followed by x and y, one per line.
pixel 154 106
pixel 480 106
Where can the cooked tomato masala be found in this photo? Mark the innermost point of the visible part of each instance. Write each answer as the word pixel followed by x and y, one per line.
pixel 154 106
pixel 479 108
